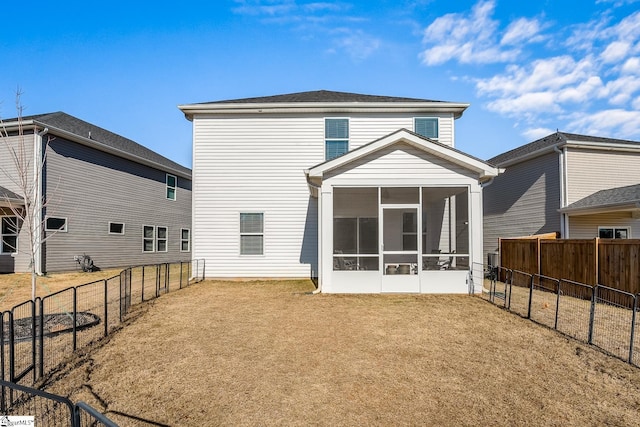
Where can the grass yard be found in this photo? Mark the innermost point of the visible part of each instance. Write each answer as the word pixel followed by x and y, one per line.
pixel 16 288
pixel 267 353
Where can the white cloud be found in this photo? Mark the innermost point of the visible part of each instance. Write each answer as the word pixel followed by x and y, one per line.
pixel 615 52
pixel 522 30
pixel 358 44
pixel 631 66
pixel 467 38
pixel 536 133
pixel 618 123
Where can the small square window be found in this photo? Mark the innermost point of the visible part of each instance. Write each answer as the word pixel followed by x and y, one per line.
pixel 116 228
pixel 426 126
pixel 56 224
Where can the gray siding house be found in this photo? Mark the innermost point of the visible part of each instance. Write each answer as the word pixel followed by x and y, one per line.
pixel 103 195
pixel 577 185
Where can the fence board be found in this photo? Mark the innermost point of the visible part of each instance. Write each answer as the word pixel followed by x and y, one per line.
pixel 619 262
pixel 519 254
pixel 572 259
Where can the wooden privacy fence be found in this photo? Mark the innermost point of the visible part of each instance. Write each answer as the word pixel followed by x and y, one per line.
pixel 609 262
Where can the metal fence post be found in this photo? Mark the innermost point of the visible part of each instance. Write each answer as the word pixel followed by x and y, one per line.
pixel 75 318
pixel 41 330
pixel 633 327
pixel 592 312
pixel 142 297
pixel 555 324
pixel 530 297
pixel 34 342
pixel 106 308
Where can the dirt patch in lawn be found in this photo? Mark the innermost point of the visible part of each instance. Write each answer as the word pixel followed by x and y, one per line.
pixel 267 353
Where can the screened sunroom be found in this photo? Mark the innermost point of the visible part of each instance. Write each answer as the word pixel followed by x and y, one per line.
pixel 402 215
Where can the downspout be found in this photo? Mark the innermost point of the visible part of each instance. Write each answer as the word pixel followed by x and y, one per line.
pixel 38 175
pixel 564 223
pixel 318 189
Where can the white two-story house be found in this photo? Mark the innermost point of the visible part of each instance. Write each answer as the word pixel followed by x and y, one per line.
pixel 365 193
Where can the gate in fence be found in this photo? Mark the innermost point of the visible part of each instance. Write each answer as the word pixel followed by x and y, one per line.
pixel 598 315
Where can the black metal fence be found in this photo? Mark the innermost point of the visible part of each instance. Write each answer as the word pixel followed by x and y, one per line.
pixel 598 315
pixel 47 409
pixel 37 337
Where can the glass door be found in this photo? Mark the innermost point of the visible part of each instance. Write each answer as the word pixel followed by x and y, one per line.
pixel 400 249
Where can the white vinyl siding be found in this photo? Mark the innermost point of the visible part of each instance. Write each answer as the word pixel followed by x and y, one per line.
pixel 244 161
pixel 589 171
pixel 587 226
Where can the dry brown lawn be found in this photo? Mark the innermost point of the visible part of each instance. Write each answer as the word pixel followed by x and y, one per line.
pixel 268 353
pixel 16 288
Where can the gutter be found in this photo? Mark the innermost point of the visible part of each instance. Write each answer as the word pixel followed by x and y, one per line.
pixel 318 195
pixel 38 153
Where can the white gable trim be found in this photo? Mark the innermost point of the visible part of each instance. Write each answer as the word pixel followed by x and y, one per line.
pixel 484 170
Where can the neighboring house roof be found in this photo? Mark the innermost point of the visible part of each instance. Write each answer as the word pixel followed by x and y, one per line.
pixel 322 101
pixel 9 195
pixel 559 139
pixel 484 170
pixel 92 135
pixel 613 199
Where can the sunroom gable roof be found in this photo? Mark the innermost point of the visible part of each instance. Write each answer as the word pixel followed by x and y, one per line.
pixel 484 170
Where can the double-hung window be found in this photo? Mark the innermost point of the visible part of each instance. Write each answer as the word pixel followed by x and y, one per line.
pixel 185 240
pixel 336 137
pixel 251 233
pixel 161 239
pixel 148 238
pixel 426 126
pixel 9 234
pixel 171 186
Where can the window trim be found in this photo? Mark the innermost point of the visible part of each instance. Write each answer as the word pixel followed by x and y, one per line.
pixel 183 240
pixel 437 119
pixel 614 228
pixel 240 233
pixel 152 238
pixel 58 230
pixel 16 222
pixel 169 187
pixel 114 233
pixel 347 139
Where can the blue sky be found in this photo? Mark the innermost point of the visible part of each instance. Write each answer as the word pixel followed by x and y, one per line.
pixel 526 68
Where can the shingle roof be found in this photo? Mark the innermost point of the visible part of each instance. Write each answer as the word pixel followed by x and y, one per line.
pixel 319 96
pixel 84 129
pixel 8 194
pixel 554 139
pixel 612 197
